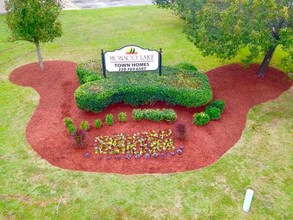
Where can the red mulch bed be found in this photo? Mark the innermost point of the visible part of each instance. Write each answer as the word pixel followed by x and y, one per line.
pixel 47 135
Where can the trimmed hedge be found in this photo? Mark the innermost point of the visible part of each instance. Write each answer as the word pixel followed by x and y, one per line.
pixel 175 86
pixel 168 115
pixel 89 71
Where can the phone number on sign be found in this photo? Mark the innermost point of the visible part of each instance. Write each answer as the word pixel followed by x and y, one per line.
pixel 123 69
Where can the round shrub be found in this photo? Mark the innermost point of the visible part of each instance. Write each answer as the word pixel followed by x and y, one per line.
pixel 201 118
pixel 122 117
pixel 89 71
pixel 84 125
pixel 109 119
pixel 213 112
pixel 98 123
pixel 220 104
pixel 68 121
pixel 71 129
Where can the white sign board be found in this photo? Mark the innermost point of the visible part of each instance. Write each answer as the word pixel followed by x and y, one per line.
pixel 131 58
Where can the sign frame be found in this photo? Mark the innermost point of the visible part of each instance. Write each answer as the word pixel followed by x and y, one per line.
pixel 104 63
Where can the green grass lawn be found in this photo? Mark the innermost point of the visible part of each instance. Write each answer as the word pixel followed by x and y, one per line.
pixel 33 189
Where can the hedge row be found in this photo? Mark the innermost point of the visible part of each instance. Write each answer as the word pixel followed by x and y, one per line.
pixel 168 115
pixel 175 86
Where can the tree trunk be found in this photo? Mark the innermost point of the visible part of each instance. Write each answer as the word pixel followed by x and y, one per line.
pixel 40 59
pixel 266 61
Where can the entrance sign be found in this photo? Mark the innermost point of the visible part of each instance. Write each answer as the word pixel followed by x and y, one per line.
pixel 131 59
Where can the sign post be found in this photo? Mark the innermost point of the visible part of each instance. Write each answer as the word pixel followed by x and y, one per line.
pixel 131 59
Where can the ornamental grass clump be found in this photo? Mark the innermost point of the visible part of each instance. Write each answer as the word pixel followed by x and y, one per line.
pixel 84 125
pixel 201 118
pixel 98 123
pixel 122 117
pixel 109 119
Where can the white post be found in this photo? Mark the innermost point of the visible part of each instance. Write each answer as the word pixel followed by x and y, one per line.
pixel 247 200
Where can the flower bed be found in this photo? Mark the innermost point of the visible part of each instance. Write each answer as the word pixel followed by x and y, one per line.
pixel 151 144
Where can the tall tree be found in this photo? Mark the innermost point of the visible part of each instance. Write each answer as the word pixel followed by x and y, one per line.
pixel 35 21
pixel 224 27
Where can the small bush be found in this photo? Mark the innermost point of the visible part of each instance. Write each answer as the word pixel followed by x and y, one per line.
pixel 122 117
pixel 89 71
pixel 201 118
pixel 98 123
pixel 84 125
pixel 168 115
pixel 68 121
pixel 213 112
pixel 186 66
pixel 180 130
pixel 220 104
pixel 71 129
pixel 109 119
pixel 78 137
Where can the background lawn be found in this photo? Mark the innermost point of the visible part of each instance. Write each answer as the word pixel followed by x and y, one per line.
pixel 33 189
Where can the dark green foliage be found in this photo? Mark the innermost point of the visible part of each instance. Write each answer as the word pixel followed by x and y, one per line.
pixel 168 115
pixel 109 119
pixel 186 66
pixel 84 125
pixel 71 129
pixel 68 121
pixel 220 104
pixel 213 112
pixel 89 71
pixel 122 117
pixel 98 123
pixel 201 118
pixel 223 28
pixel 175 86
pixel 78 137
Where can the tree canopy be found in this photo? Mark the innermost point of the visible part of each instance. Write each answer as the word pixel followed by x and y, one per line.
pixel 35 21
pixel 224 27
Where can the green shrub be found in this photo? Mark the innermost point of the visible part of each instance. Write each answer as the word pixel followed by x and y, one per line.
pixel 201 118
pixel 122 117
pixel 109 119
pixel 168 115
pixel 98 123
pixel 84 125
pixel 89 71
pixel 68 121
pixel 220 104
pixel 186 66
pixel 175 86
pixel 137 114
pixel 71 129
pixel 213 112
